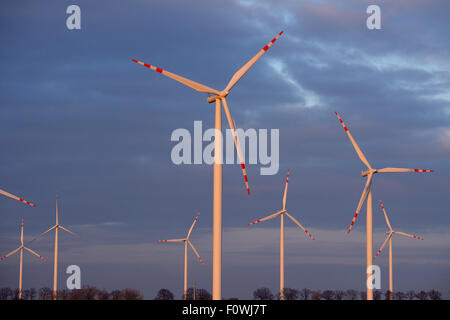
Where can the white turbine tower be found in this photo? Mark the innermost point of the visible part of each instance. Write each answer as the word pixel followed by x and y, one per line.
pixel 56 227
pixel 367 194
pixel 219 98
pixel 281 213
pixel 21 248
pixel 390 233
pixel 7 194
pixel 186 242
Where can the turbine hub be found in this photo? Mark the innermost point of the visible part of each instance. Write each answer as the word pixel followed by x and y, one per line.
pixel 222 94
pixel 366 173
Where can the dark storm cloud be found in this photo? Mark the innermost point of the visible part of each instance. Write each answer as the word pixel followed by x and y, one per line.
pixel 79 117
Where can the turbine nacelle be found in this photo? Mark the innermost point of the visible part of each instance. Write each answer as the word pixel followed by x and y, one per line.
pixel 222 94
pixel 366 173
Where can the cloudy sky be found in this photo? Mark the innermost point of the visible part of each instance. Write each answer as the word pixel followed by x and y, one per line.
pixel 80 119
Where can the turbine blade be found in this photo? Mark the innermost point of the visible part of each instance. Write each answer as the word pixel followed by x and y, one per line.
pixel 408 235
pixel 238 75
pixel 385 215
pixel 192 226
pixel 21 232
pixel 236 142
pixel 37 255
pixel 68 231
pixel 361 200
pixel 394 170
pixel 9 254
pixel 285 190
pixel 191 84
pixel 56 201
pixel 196 253
pixel 384 244
pixel 355 145
pixel 276 214
pixel 172 240
pixel 3 192
pixel 42 234
pixel 298 223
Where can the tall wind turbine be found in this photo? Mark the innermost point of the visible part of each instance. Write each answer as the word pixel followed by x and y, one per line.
pixel 56 227
pixel 3 192
pixel 281 213
pixel 219 98
pixel 390 233
pixel 21 248
pixel 186 242
pixel 367 194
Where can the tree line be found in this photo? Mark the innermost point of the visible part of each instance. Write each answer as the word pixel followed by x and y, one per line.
pixel 85 293
pixel 307 294
pixel 93 293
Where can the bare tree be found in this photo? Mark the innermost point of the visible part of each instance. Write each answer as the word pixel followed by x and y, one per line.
pixel 376 295
pixel 304 294
pixel 411 294
pixel 5 293
pixel 388 295
pixel 15 295
pixel 90 292
pixel 339 294
pixel 116 295
pixel 262 294
pixel 202 294
pixel 435 295
pixel 164 294
pixel 26 294
pixel 352 294
pixel 77 294
pixel 63 294
pixel 45 293
pixel 363 295
pixel 327 295
pixel 103 295
pixel 422 295
pixel 290 294
pixel 316 295
pixel 32 293
pixel 400 295
pixel 131 294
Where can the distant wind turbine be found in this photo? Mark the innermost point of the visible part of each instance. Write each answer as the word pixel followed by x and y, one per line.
pixel 219 98
pixel 186 242
pixel 281 213
pixel 3 192
pixel 389 239
pixel 367 194
pixel 56 227
pixel 21 248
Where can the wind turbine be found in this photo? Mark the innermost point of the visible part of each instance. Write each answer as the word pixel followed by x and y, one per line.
pixel 3 192
pixel 219 98
pixel 367 194
pixel 186 242
pixel 56 227
pixel 390 233
pixel 281 213
pixel 21 248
